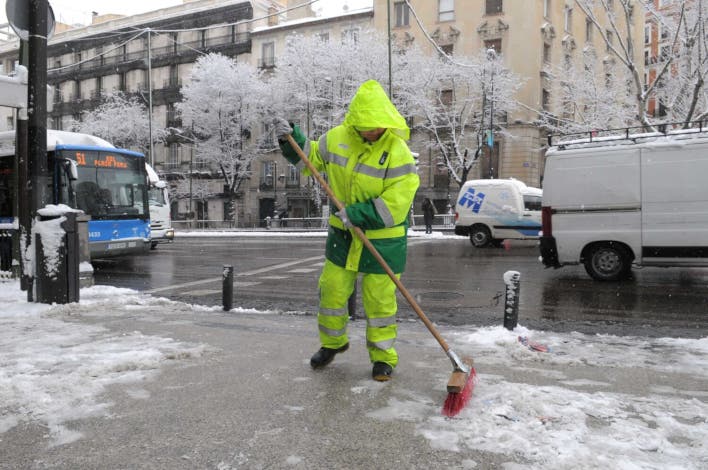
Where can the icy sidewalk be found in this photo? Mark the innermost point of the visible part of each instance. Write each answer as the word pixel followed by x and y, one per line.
pixel 124 380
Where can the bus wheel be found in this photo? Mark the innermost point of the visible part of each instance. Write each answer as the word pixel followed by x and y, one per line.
pixel 608 262
pixel 480 236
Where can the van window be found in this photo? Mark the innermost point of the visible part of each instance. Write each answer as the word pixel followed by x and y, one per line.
pixel 532 203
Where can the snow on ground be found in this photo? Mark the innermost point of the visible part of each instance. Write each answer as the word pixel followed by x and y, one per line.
pixel 591 401
pixel 575 423
pixel 53 371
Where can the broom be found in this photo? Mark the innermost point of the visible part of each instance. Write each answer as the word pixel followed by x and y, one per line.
pixel 461 382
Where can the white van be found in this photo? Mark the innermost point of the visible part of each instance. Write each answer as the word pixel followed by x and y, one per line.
pixel 161 230
pixel 492 210
pixel 637 199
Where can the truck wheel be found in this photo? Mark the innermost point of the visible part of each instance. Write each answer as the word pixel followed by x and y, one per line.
pixel 608 262
pixel 480 236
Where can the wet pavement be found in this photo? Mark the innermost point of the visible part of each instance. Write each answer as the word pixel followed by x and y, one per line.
pixel 454 283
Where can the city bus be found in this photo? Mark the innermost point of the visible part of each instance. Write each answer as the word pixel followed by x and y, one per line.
pixel 89 173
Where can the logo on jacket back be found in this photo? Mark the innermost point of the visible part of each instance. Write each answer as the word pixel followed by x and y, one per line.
pixel 472 199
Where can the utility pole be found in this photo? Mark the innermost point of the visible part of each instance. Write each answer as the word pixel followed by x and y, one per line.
pixel 38 187
pixel 149 84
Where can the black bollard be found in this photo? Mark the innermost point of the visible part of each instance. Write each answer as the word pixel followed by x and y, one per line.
pixel 227 291
pixel 512 279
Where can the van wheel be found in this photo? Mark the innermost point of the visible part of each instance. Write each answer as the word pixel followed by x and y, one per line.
pixel 608 262
pixel 153 245
pixel 480 236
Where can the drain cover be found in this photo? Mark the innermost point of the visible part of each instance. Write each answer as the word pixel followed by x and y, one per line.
pixel 440 296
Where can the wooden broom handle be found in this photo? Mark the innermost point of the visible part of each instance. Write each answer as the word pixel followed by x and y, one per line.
pixel 360 234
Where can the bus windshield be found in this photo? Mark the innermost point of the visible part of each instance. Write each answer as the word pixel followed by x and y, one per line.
pixel 110 185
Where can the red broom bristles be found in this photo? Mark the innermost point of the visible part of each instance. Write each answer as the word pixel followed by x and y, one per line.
pixel 456 401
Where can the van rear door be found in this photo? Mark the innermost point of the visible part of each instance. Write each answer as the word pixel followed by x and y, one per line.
pixel 675 204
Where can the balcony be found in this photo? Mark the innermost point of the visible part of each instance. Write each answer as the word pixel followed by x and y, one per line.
pixel 184 52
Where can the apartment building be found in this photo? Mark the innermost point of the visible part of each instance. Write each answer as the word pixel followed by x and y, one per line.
pixel 112 54
pixel 531 35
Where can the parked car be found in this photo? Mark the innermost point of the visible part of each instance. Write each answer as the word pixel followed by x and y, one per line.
pixel 492 210
pixel 636 199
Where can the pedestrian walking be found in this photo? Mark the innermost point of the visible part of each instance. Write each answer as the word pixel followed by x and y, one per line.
pixel 372 171
pixel 428 214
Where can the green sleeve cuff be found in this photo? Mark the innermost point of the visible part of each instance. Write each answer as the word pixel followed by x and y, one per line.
pixel 288 151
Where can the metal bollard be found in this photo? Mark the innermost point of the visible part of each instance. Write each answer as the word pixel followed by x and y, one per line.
pixel 227 291
pixel 512 279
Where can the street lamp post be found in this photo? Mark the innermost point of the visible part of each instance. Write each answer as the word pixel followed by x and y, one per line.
pixel 491 54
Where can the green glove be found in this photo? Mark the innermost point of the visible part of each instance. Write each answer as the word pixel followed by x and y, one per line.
pixel 288 151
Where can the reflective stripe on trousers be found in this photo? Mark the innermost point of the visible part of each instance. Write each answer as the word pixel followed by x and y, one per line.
pixel 379 298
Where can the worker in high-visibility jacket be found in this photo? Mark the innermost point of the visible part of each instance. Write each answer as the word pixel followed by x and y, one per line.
pixel 372 172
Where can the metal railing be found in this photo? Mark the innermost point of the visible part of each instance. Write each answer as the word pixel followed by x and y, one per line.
pixel 440 222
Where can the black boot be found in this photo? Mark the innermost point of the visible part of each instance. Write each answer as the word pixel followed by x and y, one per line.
pixel 382 372
pixel 325 355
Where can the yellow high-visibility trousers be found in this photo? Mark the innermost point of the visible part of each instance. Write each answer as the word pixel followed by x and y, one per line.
pixel 336 285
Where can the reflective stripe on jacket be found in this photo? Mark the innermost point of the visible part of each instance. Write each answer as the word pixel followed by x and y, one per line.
pixel 377 183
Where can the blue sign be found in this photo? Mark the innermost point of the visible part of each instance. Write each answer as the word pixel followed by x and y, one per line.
pixel 472 199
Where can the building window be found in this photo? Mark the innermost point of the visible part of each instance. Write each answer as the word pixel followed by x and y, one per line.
pixel 546 53
pixel 545 99
pixel 647 33
pixel 493 7
pixel 293 179
pixel 665 53
pixel 664 32
pixel 547 8
pixel 568 24
pixel 10 122
pixel 589 28
pixel 350 35
pixel 447 49
pixel 401 13
pixel 57 123
pixel 446 10
pixel 267 55
pixel 324 37
pixel 647 57
pixel 172 156
pixel 446 97
pixel 495 44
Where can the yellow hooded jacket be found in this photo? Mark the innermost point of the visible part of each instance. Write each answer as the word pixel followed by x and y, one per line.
pixel 375 181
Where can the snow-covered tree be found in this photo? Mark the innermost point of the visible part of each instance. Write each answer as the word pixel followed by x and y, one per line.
pixel 222 107
pixel 462 104
pixel 122 120
pixel 587 99
pixel 610 91
pixel 315 79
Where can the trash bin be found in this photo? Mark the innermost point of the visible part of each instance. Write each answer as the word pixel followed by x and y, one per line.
pixel 56 242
